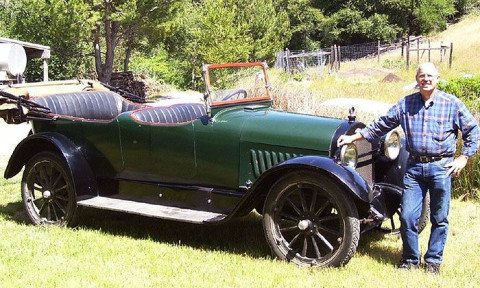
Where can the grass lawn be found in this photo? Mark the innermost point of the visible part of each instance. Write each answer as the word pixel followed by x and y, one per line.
pixel 116 250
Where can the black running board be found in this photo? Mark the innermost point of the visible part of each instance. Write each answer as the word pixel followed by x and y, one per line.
pixel 152 210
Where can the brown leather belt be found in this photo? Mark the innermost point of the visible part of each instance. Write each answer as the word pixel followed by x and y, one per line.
pixel 427 159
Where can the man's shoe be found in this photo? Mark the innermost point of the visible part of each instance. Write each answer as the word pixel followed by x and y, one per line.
pixel 408 265
pixel 433 268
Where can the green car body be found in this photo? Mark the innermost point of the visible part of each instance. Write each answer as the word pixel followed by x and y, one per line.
pixel 230 157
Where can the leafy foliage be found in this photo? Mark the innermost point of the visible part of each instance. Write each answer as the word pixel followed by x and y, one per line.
pixel 91 37
pixel 219 31
pixel 468 90
pixel 157 66
pixel 349 26
pixel 51 23
pixel 432 15
pixel 465 88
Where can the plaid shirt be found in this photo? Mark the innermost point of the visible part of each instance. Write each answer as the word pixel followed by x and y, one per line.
pixel 431 129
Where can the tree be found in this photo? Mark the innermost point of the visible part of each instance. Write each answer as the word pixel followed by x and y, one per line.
pixel 123 22
pixel 430 15
pixel 73 27
pixel 304 23
pixel 219 31
pixel 62 25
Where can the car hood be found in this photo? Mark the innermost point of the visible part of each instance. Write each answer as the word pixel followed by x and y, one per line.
pixel 291 130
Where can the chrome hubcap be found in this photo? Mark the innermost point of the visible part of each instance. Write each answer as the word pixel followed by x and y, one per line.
pixel 304 224
pixel 47 194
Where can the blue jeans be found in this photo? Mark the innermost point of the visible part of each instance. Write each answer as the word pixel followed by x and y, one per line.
pixel 420 178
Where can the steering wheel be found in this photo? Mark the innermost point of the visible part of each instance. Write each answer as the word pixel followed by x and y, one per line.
pixel 236 94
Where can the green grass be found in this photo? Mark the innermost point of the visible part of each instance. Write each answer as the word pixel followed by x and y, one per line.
pixel 116 250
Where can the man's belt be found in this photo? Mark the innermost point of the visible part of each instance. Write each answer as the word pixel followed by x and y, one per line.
pixel 427 159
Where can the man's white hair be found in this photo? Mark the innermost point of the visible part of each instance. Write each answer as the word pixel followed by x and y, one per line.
pixel 428 66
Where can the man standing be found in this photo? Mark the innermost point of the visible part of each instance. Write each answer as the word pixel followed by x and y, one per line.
pixel 431 120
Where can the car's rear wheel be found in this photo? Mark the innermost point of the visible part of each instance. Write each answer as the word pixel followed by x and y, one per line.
pixel 48 193
pixel 393 225
pixel 311 221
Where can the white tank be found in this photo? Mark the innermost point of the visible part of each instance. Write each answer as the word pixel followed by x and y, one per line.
pixel 13 58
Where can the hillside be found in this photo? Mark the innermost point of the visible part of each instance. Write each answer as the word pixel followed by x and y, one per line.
pixel 369 79
pixel 465 37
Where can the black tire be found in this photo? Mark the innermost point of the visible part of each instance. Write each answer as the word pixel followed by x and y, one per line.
pixel 393 227
pixel 48 192
pixel 309 220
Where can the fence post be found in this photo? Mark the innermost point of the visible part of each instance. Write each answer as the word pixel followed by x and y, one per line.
pixel 287 58
pixel 451 55
pixel 428 50
pixel 378 49
pixel 403 44
pixel 332 57
pixel 441 51
pixel 408 52
pixel 335 57
pixel 418 50
pixel 339 58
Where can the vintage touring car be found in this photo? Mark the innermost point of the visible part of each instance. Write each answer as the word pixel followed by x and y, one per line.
pixel 206 162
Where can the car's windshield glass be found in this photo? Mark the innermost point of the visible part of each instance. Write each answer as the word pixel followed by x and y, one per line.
pixel 242 83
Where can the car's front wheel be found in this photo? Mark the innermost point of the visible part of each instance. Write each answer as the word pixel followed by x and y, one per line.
pixel 311 221
pixel 48 193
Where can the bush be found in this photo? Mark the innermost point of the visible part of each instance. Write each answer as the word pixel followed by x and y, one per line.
pixel 158 66
pixel 465 88
pixel 468 90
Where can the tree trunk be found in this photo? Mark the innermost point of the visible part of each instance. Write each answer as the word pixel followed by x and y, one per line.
pixel 105 69
pixel 126 61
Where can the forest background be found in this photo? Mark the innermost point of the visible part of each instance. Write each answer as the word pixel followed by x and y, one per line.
pixel 169 40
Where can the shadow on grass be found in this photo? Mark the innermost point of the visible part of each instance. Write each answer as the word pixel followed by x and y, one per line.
pixel 243 236
pixel 371 246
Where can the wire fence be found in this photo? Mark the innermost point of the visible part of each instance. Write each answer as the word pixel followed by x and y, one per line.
pixel 329 59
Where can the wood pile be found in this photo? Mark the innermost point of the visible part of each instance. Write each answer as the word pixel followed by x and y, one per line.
pixel 126 81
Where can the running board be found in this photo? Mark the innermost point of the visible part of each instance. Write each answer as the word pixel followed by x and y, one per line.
pixel 152 210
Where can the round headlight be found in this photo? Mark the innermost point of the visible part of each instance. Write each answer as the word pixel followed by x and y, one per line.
pixel 392 145
pixel 349 155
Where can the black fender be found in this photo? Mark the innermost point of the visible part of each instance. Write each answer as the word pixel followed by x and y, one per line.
pixel 83 177
pixel 346 176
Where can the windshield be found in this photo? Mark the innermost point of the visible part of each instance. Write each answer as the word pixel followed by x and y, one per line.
pixel 236 82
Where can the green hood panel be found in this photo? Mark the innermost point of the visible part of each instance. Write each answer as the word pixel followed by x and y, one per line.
pixel 284 129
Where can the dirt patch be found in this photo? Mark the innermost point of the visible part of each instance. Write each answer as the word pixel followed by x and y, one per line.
pixel 391 78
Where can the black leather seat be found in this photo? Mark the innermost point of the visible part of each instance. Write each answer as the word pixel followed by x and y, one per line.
pixel 100 105
pixel 175 114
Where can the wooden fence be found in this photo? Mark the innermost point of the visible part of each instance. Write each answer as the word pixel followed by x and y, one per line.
pixel 421 47
pixel 329 59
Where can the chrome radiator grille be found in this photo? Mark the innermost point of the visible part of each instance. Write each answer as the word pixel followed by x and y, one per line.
pixel 365 161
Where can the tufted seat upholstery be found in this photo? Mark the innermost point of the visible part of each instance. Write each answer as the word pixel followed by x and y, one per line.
pixel 101 105
pixel 178 113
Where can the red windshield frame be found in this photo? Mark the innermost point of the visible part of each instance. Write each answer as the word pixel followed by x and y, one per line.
pixel 208 67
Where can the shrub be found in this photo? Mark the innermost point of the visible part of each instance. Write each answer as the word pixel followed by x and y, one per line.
pixel 157 66
pixel 465 88
pixel 467 185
